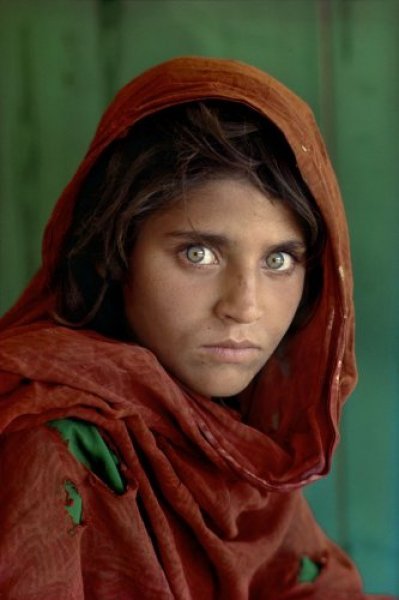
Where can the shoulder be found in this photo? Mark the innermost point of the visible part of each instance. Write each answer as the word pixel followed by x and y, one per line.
pixel 46 456
pixel 39 537
pixel 34 467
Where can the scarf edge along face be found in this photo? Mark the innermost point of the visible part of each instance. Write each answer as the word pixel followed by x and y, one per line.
pixel 317 373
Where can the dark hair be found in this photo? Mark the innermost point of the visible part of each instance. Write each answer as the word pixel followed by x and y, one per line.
pixel 155 164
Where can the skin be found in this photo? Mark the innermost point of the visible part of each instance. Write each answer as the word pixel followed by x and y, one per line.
pixel 214 284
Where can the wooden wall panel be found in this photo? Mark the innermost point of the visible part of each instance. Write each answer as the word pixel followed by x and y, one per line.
pixel 60 63
pixel 366 67
pixel 52 97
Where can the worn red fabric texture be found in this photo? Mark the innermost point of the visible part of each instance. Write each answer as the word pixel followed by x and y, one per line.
pixel 213 507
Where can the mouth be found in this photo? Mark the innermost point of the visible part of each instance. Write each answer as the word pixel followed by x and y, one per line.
pixel 231 351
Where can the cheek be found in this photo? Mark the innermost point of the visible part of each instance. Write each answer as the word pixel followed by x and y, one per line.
pixel 295 297
pixel 156 305
pixel 286 302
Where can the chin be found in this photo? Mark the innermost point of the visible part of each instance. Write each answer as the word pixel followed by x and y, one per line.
pixel 221 390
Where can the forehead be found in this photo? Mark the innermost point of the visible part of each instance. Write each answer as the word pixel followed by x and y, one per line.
pixel 229 205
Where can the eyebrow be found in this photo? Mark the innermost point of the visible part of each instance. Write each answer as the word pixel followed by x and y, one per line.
pixel 218 240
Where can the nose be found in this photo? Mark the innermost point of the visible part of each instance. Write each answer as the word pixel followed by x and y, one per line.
pixel 239 298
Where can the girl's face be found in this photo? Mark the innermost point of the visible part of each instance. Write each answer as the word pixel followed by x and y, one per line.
pixel 214 284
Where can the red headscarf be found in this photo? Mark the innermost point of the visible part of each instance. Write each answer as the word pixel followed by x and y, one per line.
pixel 204 515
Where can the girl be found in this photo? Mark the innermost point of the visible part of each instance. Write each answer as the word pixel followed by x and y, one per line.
pixel 174 374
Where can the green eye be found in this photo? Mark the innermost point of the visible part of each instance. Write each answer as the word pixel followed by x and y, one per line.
pixel 195 254
pixel 279 261
pixel 200 255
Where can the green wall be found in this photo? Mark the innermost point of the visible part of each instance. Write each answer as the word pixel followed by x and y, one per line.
pixel 62 60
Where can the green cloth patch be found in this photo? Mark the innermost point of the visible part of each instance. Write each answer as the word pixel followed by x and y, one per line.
pixel 88 447
pixel 309 570
pixel 74 503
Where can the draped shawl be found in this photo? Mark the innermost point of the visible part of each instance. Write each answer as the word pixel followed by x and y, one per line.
pixel 212 506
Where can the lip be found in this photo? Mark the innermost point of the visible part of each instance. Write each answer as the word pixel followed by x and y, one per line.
pixel 233 344
pixel 231 351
